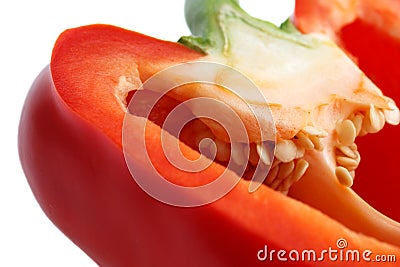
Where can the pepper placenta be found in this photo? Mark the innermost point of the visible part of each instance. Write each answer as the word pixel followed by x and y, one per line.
pixel 369 32
pixel 71 146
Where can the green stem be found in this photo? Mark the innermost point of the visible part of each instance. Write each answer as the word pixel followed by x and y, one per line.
pixel 211 21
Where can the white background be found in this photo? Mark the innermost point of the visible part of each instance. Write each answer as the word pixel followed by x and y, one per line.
pixel 28 32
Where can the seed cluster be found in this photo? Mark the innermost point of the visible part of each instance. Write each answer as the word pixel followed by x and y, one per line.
pixel 289 166
pixel 371 120
pixel 284 174
pixel 310 138
pixel 286 168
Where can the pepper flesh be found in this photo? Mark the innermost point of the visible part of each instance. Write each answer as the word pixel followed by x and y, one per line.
pixel 94 200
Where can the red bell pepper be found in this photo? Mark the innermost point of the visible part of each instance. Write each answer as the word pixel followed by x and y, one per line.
pixel 71 148
pixel 369 32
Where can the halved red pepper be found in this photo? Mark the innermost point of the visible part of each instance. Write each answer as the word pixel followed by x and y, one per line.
pixel 369 32
pixel 71 151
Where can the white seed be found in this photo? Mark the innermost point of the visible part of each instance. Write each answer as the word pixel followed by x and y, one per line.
pixel 381 117
pixel 285 150
pixel 263 153
pixel 344 177
pixel 292 172
pixel 299 170
pixel 285 169
pixel 347 150
pixel 374 120
pixel 358 121
pixel 272 175
pixel 348 163
pixel 353 147
pixel 286 184
pixel 283 189
pixel 373 113
pixel 237 153
pixel 358 157
pixel 392 115
pixel 304 141
pixel 311 130
pixel 300 152
pixel 346 132
pixel 276 183
pixel 317 143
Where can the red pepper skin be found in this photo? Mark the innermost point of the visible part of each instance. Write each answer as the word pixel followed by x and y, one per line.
pixel 78 175
pixel 80 178
pixel 376 50
pixel 82 183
